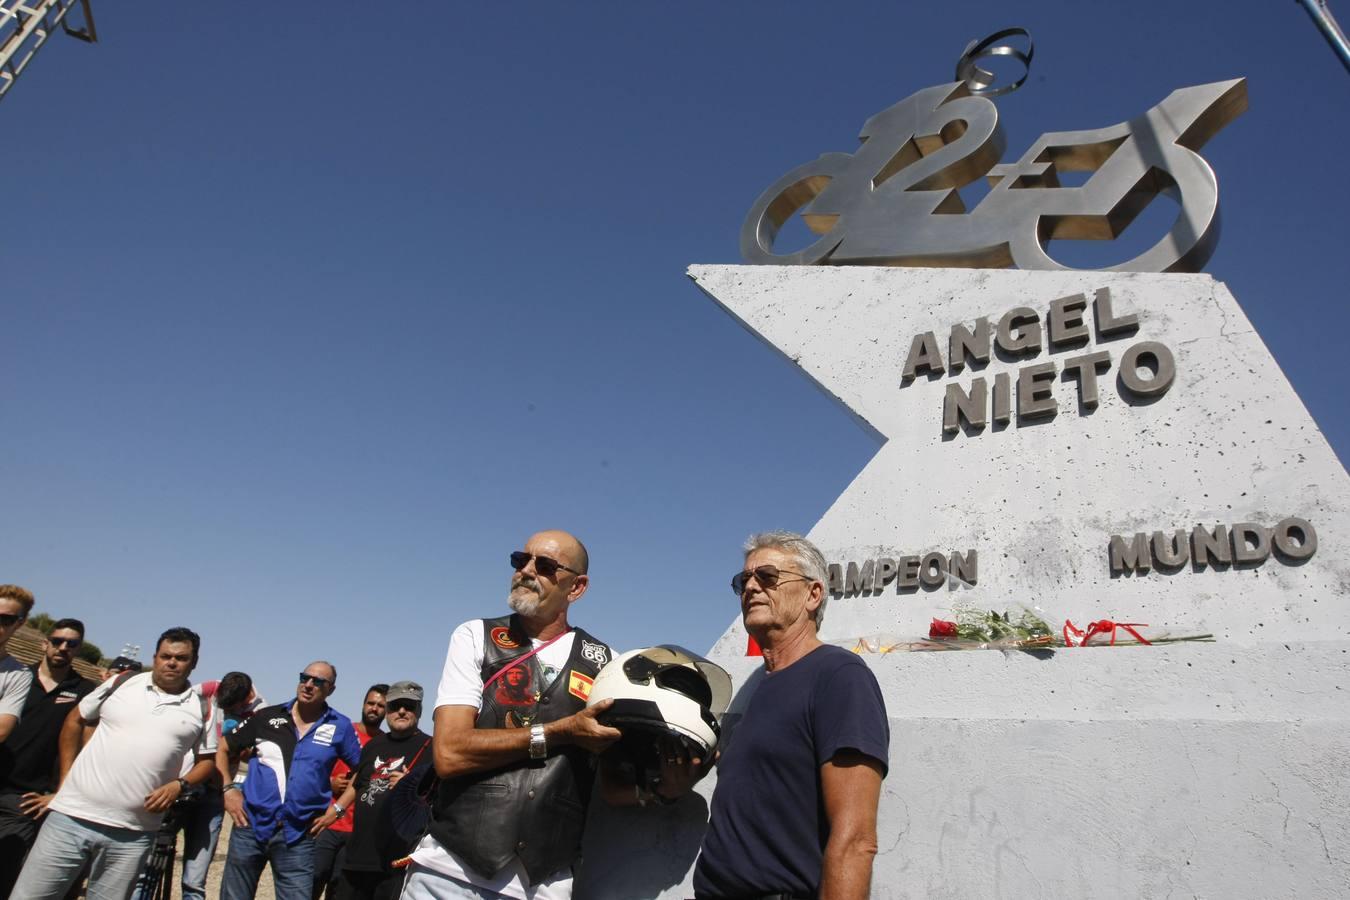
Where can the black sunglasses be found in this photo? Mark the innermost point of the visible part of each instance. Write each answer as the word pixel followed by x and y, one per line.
pixel 318 682
pixel 72 643
pixel 409 705
pixel 544 565
pixel 8 619
pixel 768 577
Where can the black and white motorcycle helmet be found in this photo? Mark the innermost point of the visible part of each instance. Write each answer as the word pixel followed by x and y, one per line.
pixel 664 693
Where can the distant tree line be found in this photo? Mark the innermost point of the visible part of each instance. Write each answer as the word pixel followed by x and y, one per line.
pixel 89 652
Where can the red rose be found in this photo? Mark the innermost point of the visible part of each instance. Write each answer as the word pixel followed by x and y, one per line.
pixel 941 629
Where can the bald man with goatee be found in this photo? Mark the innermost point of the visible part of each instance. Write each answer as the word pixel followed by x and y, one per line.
pixel 513 740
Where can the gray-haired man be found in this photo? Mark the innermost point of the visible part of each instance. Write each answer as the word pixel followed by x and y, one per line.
pixel 794 812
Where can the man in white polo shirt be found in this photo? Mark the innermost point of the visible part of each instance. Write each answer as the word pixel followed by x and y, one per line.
pixel 112 798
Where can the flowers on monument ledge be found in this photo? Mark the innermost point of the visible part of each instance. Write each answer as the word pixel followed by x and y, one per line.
pixel 1018 629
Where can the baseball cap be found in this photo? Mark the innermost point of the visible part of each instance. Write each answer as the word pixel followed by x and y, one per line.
pixel 124 664
pixel 404 690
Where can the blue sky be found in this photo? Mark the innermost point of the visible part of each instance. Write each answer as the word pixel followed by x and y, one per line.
pixel 312 314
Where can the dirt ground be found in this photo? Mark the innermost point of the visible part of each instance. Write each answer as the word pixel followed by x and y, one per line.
pixel 266 890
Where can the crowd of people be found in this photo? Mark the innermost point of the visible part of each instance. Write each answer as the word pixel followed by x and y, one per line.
pixel 491 804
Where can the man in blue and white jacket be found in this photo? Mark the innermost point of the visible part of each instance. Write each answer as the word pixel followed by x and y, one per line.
pixel 295 745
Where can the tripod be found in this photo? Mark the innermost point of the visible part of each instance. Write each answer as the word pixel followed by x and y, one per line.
pixel 157 878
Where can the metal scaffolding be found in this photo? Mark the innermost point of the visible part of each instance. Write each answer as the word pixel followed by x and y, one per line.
pixel 25 26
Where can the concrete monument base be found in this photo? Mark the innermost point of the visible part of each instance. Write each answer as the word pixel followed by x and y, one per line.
pixel 1103 446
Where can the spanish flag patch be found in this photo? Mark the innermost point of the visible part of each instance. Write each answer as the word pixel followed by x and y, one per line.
pixel 579 685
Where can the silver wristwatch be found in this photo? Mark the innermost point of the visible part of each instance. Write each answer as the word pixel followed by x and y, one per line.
pixel 538 746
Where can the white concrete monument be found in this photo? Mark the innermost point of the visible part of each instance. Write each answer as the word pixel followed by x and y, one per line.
pixel 1208 769
pixel 1098 445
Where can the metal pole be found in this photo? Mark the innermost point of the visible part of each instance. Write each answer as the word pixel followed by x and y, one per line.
pixel 1330 29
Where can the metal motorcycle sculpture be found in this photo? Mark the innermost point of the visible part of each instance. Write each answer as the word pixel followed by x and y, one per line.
pixel 895 201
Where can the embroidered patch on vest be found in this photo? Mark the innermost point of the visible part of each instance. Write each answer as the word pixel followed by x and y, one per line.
pixel 594 653
pixel 501 636
pixel 579 685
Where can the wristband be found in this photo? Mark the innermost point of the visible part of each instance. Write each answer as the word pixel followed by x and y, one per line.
pixel 183 785
pixel 232 786
pixel 339 809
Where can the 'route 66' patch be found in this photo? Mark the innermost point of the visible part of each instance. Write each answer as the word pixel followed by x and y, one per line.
pixel 595 653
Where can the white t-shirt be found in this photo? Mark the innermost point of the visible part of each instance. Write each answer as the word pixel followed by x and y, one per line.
pixel 137 747
pixel 15 680
pixel 462 685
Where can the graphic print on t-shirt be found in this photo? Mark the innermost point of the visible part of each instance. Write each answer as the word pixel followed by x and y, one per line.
pixel 379 779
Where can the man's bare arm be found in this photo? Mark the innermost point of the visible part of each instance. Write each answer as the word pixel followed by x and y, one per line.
pixel 7 723
pixel 163 797
pixel 227 763
pixel 73 734
pixel 461 749
pixel 201 769
pixel 345 800
pixel 851 784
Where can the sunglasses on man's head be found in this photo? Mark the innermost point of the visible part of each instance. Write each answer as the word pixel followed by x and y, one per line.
pixel 305 677
pixel 72 643
pixel 8 619
pixel 544 565
pixel 768 577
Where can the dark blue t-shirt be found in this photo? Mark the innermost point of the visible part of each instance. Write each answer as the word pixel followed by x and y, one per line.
pixel 767 830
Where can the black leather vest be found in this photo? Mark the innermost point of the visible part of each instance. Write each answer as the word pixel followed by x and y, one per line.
pixel 533 809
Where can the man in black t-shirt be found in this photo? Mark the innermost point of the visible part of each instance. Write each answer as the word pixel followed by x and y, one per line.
pixel 794 813
pixel 386 759
pixel 28 759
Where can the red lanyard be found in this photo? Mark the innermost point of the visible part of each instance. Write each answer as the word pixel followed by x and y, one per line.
pixel 520 659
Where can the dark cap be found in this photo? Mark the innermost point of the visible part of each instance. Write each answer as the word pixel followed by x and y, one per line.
pixel 404 690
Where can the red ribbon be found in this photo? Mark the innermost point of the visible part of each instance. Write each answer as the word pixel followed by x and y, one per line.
pixel 1073 637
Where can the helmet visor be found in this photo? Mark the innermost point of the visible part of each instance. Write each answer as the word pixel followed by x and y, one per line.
pixel 670 666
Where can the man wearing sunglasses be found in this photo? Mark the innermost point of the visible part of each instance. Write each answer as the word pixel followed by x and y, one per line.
pixel 15 605
pixel 404 752
pixel 295 745
pixel 794 813
pixel 515 757
pixel 28 770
